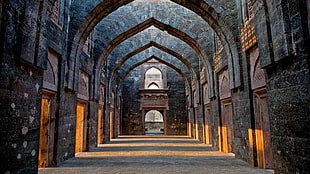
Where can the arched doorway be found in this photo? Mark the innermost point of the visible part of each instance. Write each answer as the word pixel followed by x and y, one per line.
pixel 154 123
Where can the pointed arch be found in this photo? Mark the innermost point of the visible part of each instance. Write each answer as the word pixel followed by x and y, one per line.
pixel 174 32
pixel 156 45
pixel 201 8
pixel 153 67
pixel 155 76
pixel 224 90
pixel 153 85
pixel 187 84
pixel 160 47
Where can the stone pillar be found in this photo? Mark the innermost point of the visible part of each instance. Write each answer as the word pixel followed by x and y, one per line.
pixel 200 122
pixel 93 124
pixel 143 122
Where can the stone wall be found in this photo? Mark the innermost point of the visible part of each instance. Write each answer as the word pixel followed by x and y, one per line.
pixel 176 115
pixel 20 116
pixel 30 29
pixel 20 94
pixel 132 123
pixel 288 86
pixel 288 99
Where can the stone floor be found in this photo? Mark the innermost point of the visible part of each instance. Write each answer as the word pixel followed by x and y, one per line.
pixel 154 155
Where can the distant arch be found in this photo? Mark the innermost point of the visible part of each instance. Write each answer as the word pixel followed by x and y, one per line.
pixel 153 86
pixel 187 84
pixel 154 122
pixel 153 78
pixel 154 116
pixel 156 45
pixel 153 70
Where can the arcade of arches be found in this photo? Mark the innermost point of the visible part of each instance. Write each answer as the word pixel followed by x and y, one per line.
pixel 233 74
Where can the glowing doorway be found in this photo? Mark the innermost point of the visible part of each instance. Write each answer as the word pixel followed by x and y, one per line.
pixel 154 123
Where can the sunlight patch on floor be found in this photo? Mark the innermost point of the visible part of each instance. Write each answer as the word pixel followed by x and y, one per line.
pixel 153 153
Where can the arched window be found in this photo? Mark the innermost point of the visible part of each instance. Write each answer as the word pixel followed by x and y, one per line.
pixel 153 86
pixel 153 79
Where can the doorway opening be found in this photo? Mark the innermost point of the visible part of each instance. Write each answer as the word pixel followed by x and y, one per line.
pixel 227 126
pixel 154 123
pixel 80 139
pixel 262 129
pixel 47 129
pixel 101 125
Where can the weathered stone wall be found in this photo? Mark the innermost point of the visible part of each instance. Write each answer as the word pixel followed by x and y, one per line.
pixel 20 115
pixel 287 83
pixel 56 32
pixel 27 33
pixel 65 128
pixel 20 93
pixel 132 123
pixel 37 39
pixel 87 65
pixel 289 99
pixel 242 122
pixel 215 117
pixel 176 115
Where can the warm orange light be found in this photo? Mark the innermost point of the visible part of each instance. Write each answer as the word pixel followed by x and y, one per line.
pixel 152 153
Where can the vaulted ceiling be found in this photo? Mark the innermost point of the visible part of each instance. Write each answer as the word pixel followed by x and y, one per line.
pixel 127 33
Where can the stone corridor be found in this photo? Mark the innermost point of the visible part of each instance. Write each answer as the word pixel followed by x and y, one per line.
pixel 154 154
pixel 154 86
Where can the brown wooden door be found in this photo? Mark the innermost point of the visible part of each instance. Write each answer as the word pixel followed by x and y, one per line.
pixel 101 125
pixel 227 126
pixel 267 135
pixel 80 124
pixel 43 146
pixel 111 125
pixel 47 128
pixel 51 133
pixel 262 131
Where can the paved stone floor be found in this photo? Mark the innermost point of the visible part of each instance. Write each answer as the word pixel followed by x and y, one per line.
pixel 154 155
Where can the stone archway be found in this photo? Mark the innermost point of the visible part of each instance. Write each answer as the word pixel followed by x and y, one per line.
pixel 154 123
